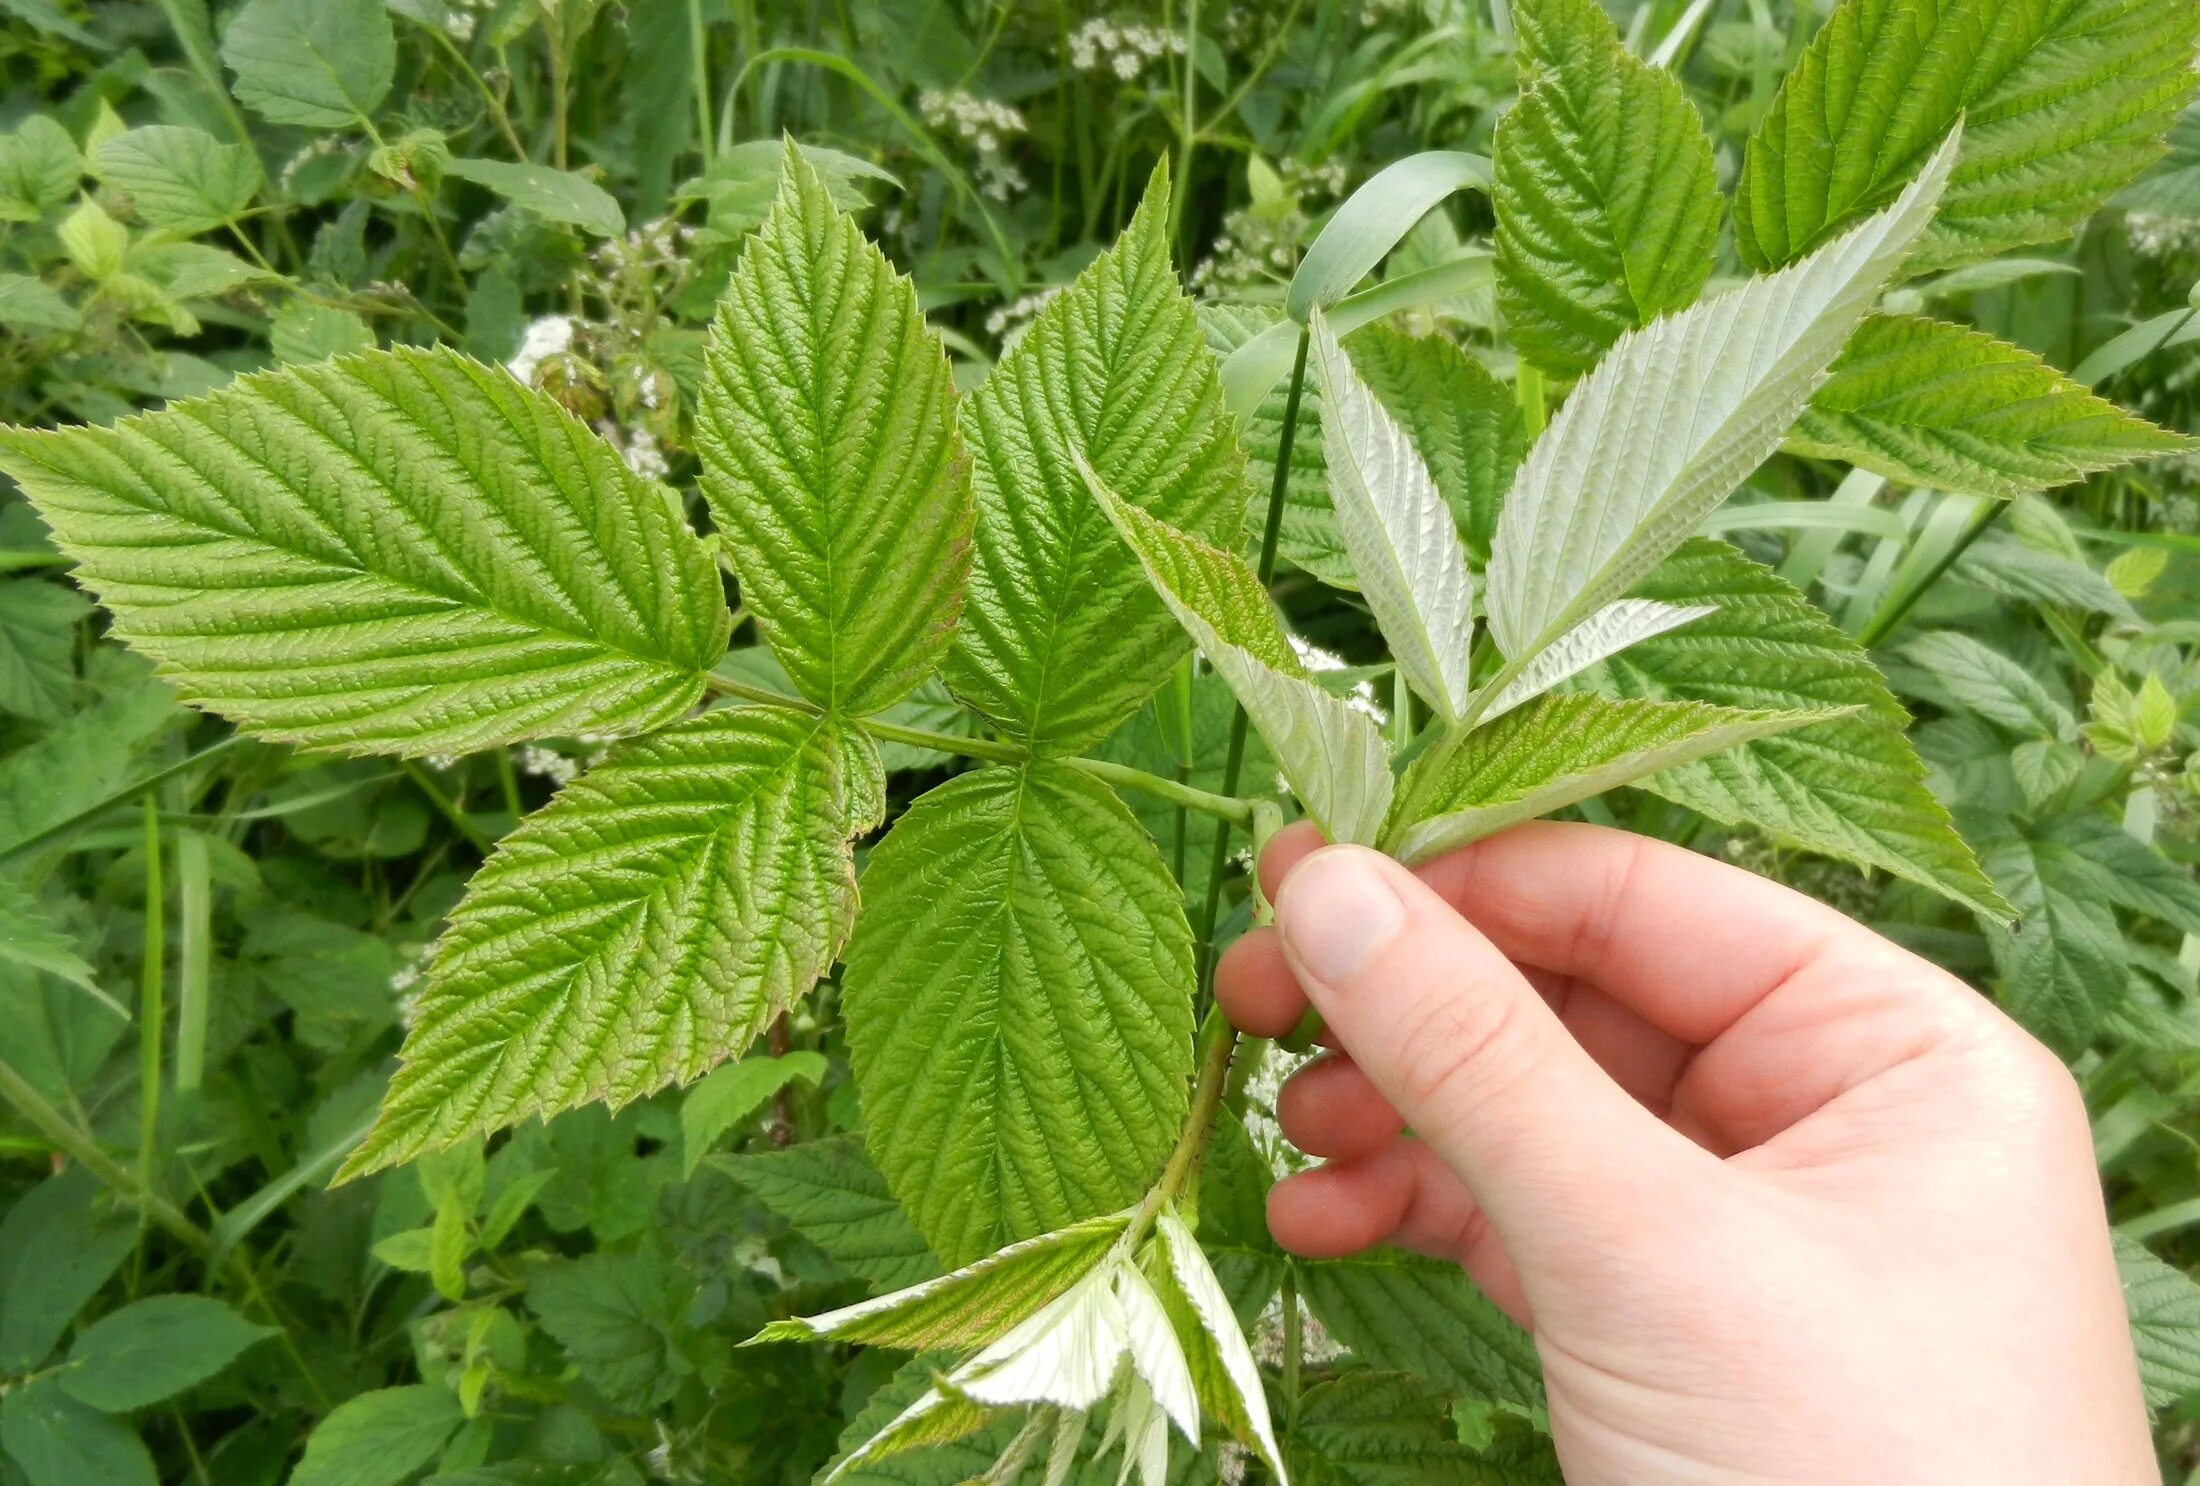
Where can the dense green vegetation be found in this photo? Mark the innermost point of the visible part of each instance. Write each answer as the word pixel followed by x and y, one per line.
pixel 592 567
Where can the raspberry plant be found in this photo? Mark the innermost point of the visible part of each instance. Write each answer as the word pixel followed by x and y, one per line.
pixel 407 552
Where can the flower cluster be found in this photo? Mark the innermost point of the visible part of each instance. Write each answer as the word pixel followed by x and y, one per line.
pixel 1011 320
pixel 1125 48
pixel 2161 237
pixel 986 125
pixel 1260 242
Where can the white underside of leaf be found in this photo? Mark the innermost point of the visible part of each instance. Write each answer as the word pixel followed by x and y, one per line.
pixel 1196 1278
pixel 1331 754
pixel 1401 534
pixel 1674 418
pixel 1601 636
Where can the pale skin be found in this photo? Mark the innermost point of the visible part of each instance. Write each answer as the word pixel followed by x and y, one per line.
pixel 1780 1201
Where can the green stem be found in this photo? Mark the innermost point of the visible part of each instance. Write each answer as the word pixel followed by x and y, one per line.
pixel 152 1000
pixel 194 970
pixel 699 58
pixel 1892 613
pixel 1294 1346
pixel 65 1137
pixel 1233 762
pixel 474 835
pixel 1122 776
pixel 131 790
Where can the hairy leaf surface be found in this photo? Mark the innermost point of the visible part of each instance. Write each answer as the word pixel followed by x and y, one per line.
pixel 401 551
pixel 2164 1303
pixel 831 457
pixel 1976 677
pixel 1852 787
pixel 1401 536
pixel 1370 1428
pixel 1932 404
pixel 832 1195
pixel 1397 1310
pixel 1061 637
pixel 2064 102
pixel 1558 751
pixel 1019 1007
pixel 639 929
pixel 179 178
pixel 1607 203
pixel 1673 419
pixel 1332 756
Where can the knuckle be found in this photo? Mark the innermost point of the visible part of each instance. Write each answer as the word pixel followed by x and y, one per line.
pixel 1453 1048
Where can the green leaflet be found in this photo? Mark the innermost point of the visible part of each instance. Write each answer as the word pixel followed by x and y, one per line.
pixel 39 169
pixel 1019 1009
pixel 1951 667
pixel 1937 405
pixel 325 64
pixel 1225 1377
pixel 553 195
pixel 1558 751
pixel 401 551
pixel 831 458
pixel 2064 102
pixel 1673 419
pixel 2165 1322
pixel 38 648
pixel 949 1446
pixel 1060 636
pixel 1465 425
pixel 832 1195
pixel 379 1438
pixel 643 926
pixel 1378 1429
pixel 29 938
pixel 971 1307
pixel 58 1441
pixel 1397 1310
pixel 733 1092
pixel 619 1317
pixel 1607 202
pixel 182 179
pixel 153 1349
pixel 1332 756
pixel 1853 787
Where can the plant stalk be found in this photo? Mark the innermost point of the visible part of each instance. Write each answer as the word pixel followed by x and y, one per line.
pixel 65 1137
pixel 1891 615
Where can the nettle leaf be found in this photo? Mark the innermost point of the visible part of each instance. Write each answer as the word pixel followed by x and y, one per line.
pixel 1019 1007
pixel 401 551
pixel 1607 201
pixel 1977 678
pixel 1673 419
pixel 1559 751
pixel 2064 102
pixel 619 1317
pixel 1378 1429
pixel 38 623
pixel 181 179
pixel 636 931
pixel 1331 754
pixel 153 1349
pixel 324 64
pixel 831 457
pixel 1397 1310
pixel 1464 423
pixel 554 195
pixel 1061 637
pixel 970 1307
pixel 1404 544
pixel 1940 406
pixel 2164 1303
pixel 1853 787
pixel 832 1195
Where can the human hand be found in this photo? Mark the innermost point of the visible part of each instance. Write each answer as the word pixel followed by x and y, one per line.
pixel 1779 1200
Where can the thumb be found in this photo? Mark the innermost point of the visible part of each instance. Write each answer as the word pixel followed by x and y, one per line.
pixel 1472 1058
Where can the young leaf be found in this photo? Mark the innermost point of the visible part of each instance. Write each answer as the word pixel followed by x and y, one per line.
pixel 971 1307
pixel 1673 419
pixel 2066 101
pixel 402 551
pixel 379 1438
pixel 57 1441
pixel 643 926
pixel 619 1317
pixel 1224 1374
pixel 831 458
pixel 2165 1322
pixel 1019 1007
pixel 1061 637
pixel 1981 679
pixel 1332 755
pixel 38 649
pixel 1937 405
pixel 324 64
pixel 1607 202
pixel 153 1349
pixel 39 169
pixel 732 1092
pixel 1559 751
pixel 1396 1310
pixel 553 195
pixel 1371 1428
pixel 181 179
pixel 1604 634
pixel 1404 543
pixel 1853 787
pixel 2062 964
pixel 29 938
pixel 832 1195
pixel 1464 422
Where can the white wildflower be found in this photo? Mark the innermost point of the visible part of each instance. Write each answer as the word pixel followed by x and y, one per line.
pixel 546 763
pixel 1123 48
pixel 551 335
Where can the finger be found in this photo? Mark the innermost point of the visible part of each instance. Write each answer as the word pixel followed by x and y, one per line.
pixel 1401 1193
pixel 1256 988
pixel 1686 942
pixel 1285 850
pixel 1471 1056
pixel 1331 1108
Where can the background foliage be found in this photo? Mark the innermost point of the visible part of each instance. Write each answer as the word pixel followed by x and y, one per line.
pixel 206 946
